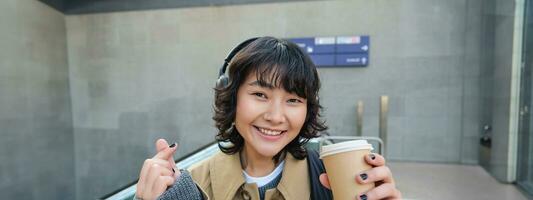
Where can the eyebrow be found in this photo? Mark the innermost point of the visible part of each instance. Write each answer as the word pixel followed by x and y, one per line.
pixel 261 84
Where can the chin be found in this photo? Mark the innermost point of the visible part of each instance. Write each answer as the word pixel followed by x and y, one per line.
pixel 269 151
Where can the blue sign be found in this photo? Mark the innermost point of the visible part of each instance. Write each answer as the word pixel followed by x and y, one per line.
pixel 324 45
pixel 323 59
pixel 336 51
pixel 351 59
pixel 353 44
pixel 304 43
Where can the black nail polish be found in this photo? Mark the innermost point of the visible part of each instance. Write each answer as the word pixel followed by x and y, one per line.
pixel 372 156
pixel 363 197
pixel 364 176
pixel 173 170
pixel 172 145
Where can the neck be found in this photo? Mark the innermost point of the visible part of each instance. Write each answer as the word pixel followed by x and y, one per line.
pixel 256 164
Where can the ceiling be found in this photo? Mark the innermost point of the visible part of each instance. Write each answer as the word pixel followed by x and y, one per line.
pixel 71 7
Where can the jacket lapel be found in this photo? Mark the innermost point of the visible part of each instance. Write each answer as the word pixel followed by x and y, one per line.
pixel 226 176
pixel 294 182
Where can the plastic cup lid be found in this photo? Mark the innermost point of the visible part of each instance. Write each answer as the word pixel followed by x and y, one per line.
pixel 341 147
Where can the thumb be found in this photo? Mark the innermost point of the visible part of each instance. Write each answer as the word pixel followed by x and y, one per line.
pixel 324 180
pixel 165 152
pixel 161 144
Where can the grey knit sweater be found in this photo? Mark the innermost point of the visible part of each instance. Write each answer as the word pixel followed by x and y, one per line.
pixel 183 189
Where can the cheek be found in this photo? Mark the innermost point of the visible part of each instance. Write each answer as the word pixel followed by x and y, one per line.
pixel 241 117
pixel 298 118
pixel 245 110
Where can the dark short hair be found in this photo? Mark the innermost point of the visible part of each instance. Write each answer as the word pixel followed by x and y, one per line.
pixel 280 63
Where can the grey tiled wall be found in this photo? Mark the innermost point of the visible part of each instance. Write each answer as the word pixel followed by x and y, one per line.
pixel 36 140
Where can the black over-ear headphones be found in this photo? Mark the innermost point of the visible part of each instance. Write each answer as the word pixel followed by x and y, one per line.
pixel 223 80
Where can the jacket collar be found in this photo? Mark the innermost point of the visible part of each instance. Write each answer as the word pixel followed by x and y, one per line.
pixel 294 182
pixel 227 177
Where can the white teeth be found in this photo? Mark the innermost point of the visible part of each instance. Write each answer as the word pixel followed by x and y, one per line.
pixel 269 132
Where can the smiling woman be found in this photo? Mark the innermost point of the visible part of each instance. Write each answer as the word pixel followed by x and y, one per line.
pixel 266 110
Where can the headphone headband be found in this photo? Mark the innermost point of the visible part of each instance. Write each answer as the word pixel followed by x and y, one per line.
pixel 232 53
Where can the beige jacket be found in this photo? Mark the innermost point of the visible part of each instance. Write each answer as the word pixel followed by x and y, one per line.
pixel 221 178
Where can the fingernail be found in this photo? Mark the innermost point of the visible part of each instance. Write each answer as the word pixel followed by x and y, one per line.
pixel 372 156
pixel 172 145
pixel 173 170
pixel 364 176
pixel 363 197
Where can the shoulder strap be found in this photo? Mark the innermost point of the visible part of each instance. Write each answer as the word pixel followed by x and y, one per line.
pixel 315 168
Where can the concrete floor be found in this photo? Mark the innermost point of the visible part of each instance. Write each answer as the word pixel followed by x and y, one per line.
pixel 430 181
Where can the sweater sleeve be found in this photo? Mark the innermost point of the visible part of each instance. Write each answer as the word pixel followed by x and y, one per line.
pixel 183 189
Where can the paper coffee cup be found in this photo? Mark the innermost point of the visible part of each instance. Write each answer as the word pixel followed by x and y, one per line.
pixel 344 161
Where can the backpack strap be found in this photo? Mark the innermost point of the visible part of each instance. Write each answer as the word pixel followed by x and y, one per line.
pixel 315 168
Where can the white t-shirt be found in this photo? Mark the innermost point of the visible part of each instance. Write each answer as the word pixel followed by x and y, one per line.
pixel 261 181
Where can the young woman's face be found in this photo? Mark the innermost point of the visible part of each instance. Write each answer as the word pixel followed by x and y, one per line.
pixel 268 118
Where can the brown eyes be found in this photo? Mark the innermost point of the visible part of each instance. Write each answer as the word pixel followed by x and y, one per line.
pixel 263 96
pixel 294 101
pixel 259 94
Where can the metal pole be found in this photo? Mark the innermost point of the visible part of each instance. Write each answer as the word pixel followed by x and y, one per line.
pixel 359 119
pixel 383 115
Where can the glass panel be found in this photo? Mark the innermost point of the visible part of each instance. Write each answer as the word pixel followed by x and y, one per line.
pixel 525 154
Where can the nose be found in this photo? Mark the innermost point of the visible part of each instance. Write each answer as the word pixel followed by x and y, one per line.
pixel 275 113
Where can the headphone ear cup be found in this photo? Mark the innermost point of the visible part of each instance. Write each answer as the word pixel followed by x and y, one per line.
pixel 222 82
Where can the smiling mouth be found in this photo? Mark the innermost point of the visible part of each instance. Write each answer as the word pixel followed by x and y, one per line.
pixel 269 132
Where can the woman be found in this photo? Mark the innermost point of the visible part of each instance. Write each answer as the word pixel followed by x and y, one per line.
pixel 265 111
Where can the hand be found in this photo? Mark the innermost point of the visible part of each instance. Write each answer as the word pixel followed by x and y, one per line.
pixel 380 175
pixel 158 173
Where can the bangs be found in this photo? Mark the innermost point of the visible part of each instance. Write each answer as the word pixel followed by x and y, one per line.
pixel 283 65
pixel 290 78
